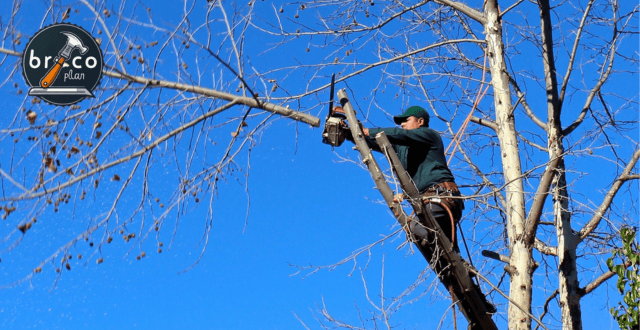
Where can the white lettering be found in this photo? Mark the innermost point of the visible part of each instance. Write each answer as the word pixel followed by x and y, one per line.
pixel 74 62
pixel 95 62
pixel 73 76
pixel 31 58
pixel 34 62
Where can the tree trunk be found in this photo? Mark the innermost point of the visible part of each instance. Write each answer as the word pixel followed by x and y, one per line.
pixel 521 260
pixel 567 240
pixel 571 314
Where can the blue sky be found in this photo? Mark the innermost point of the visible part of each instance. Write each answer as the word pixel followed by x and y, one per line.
pixel 307 207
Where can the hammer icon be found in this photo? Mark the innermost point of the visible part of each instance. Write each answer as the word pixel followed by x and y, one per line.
pixel 73 42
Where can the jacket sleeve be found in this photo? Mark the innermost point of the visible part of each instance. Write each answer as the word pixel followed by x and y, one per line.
pixel 371 141
pixel 403 137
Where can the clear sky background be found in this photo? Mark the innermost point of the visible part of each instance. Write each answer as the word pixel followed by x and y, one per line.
pixel 307 207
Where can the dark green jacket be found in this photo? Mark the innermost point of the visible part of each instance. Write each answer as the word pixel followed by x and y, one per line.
pixel 421 153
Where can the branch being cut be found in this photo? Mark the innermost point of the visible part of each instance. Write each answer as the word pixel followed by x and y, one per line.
pixel 248 101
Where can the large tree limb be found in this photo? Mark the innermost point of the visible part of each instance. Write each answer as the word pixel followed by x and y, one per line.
pixel 535 211
pixel 520 287
pixel 608 199
pixel 549 63
pixel 544 248
pixel 248 101
pixel 370 162
pixel 461 7
pixel 484 122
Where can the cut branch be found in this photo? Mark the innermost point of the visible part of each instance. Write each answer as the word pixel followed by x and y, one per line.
pixel 484 122
pixel 545 249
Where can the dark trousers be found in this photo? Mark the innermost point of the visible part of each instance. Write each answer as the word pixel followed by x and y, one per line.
pixel 430 249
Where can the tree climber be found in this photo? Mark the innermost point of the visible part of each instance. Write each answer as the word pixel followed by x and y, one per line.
pixel 421 152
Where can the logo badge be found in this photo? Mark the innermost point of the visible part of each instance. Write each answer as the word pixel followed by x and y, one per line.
pixel 63 64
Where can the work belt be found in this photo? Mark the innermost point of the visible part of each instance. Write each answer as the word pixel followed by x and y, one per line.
pixel 448 186
pixel 438 194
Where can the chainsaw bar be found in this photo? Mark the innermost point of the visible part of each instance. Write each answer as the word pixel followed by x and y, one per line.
pixel 333 83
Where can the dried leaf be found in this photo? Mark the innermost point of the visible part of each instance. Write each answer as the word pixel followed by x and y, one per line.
pixel 31 117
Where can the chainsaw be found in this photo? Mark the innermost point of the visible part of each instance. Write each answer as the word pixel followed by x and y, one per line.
pixel 335 125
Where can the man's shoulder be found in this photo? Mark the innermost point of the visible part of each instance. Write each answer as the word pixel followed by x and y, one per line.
pixel 426 131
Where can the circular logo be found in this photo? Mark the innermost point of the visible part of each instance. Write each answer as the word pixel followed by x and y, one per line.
pixel 63 64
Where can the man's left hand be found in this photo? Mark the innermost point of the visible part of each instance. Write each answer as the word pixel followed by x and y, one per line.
pixel 365 131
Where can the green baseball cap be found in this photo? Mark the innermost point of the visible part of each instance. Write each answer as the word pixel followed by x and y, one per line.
pixel 415 111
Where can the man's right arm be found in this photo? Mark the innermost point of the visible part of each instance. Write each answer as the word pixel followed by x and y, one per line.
pixel 371 141
pixel 399 136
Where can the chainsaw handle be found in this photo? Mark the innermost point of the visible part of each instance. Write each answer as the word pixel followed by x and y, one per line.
pixel 52 74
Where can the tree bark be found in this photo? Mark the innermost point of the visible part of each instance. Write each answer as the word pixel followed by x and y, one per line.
pixel 520 259
pixel 569 297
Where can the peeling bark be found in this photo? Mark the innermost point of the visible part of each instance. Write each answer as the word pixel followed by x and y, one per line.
pixel 569 298
pixel 520 259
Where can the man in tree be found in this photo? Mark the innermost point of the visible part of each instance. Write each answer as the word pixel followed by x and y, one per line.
pixel 421 152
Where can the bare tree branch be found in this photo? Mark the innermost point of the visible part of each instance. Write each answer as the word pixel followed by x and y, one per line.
pixel 545 307
pixel 572 57
pixel 535 211
pixel 545 249
pixel 461 7
pixel 608 199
